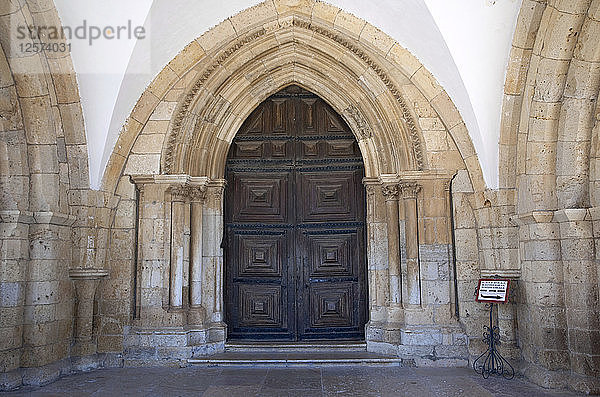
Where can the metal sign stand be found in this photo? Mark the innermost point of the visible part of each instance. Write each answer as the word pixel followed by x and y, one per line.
pixel 491 362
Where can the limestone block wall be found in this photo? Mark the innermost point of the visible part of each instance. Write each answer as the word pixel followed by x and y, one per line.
pixel 132 274
pixel 43 196
pixel 181 128
pixel 548 159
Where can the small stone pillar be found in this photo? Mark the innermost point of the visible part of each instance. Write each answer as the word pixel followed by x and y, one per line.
pixel 178 198
pixel 85 281
pixel 197 312
pixel 390 192
pixel 212 298
pixel 413 281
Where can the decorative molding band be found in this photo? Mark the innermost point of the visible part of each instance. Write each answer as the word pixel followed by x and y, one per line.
pixel 532 217
pixel 87 274
pixel 507 273
pixel 182 179
pixel 572 215
pixel 362 127
pixel 54 218
pixel 16 216
pixel 364 130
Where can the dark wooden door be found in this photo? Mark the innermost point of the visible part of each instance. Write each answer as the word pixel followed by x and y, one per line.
pixel 294 224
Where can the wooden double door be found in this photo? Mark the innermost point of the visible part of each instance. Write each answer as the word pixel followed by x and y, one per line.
pixel 295 224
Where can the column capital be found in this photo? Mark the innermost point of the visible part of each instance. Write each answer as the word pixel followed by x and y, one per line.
pixel 197 193
pixel 216 188
pixel 409 189
pixel 390 191
pixel 179 192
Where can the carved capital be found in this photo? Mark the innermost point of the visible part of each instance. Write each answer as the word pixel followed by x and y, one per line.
pixel 409 189
pixel 447 184
pixel 390 191
pixel 197 193
pixel 371 190
pixel 179 192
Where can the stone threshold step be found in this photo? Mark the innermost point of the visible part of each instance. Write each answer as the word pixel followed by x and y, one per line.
pixel 277 347
pixel 314 359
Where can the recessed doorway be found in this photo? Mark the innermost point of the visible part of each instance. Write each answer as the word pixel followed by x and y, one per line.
pixel 295 224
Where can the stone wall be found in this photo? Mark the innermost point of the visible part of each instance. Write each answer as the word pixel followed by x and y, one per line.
pixel 131 274
pixel 43 205
pixel 547 163
pixel 179 133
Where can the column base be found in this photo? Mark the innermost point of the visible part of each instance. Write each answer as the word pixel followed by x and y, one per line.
pixel 421 346
pixel 196 316
pixel 561 379
pixel 171 346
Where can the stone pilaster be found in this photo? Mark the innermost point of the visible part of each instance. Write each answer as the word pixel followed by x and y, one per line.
pixel 543 325
pixel 377 251
pixel 212 261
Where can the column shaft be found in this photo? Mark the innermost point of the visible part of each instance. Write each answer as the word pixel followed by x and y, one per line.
pixel 177 249
pixel 196 254
pixel 413 280
pixel 391 204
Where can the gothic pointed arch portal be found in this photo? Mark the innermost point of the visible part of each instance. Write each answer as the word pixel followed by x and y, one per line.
pixel 295 224
pixel 409 136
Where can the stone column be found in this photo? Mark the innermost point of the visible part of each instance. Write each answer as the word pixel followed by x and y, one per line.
pixel 212 261
pixel 197 312
pixel 581 292
pixel 85 281
pixel 379 286
pixel 413 279
pixel 178 197
pixel 390 192
pixel 543 333
pixel 452 278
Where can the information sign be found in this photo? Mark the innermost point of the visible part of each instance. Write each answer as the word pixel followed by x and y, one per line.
pixel 492 290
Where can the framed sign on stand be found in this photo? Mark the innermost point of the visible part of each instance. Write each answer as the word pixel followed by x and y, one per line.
pixel 491 362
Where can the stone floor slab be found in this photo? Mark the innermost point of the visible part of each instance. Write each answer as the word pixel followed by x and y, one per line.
pixel 286 382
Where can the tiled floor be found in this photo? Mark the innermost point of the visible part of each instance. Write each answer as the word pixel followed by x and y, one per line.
pixel 247 382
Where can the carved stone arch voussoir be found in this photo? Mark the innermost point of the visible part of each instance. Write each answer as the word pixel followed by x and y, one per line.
pixel 172 158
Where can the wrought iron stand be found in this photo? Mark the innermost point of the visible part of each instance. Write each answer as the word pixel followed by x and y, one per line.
pixel 492 361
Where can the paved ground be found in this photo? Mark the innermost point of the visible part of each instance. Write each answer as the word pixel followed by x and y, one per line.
pixel 247 382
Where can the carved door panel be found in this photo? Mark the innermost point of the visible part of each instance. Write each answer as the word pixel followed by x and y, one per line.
pixel 294 252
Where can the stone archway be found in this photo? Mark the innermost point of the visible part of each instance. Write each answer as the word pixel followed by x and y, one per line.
pixel 410 154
